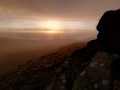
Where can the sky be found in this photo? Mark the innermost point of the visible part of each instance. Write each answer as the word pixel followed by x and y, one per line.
pixel 70 14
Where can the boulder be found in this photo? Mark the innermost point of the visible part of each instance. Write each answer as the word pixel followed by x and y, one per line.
pixel 109 31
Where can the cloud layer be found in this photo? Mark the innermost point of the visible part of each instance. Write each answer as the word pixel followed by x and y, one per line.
pixel 67 9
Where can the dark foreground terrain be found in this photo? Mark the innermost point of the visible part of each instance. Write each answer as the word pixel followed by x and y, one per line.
pixel 80 66
pixel 41 73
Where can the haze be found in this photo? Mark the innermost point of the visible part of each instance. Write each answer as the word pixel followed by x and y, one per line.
pixel 27 14
pixel 32 28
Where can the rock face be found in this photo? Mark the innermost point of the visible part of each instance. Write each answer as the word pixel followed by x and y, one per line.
pixel 109 31
pixel 98 75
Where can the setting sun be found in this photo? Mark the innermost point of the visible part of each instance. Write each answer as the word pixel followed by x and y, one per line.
pixel 51 31
pixel 52 25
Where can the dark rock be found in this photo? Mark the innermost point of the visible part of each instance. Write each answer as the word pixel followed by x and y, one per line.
pixel 80 59
pixel 29 87
pixel 109 31
pixel 0 77
pixel 97 76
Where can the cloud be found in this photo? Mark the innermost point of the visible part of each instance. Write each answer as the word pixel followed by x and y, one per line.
pixel 67 9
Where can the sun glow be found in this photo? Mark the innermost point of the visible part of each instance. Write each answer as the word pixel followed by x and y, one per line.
pixel 52 25
pixel 51 31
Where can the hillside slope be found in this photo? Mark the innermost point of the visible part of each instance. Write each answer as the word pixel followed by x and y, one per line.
pixel 40 73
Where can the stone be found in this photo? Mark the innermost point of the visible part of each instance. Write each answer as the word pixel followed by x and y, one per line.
pixel 83 73
pixel 28 87
pixel 95 85
pixel 109 31
pixel 102 65
pixel 104 82
pixel 62 87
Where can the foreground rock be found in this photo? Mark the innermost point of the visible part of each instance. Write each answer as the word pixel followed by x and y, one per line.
pixel 98 75
pixel 109 31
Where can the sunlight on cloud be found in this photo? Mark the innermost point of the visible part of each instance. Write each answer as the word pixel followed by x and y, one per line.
pixel 70 25
pixel 52 25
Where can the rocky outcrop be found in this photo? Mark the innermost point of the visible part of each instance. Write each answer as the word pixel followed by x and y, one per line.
pixel 77 62
pixel 98 75
pixel 109 31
